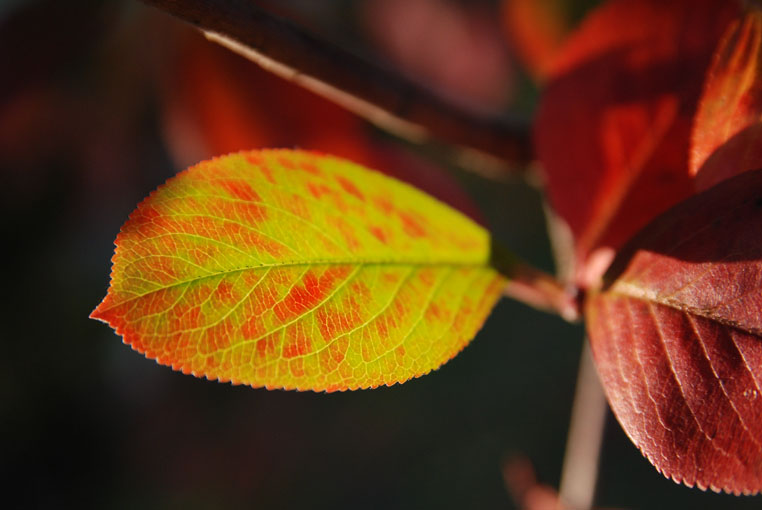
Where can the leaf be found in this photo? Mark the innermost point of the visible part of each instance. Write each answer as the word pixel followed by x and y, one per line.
pixel 290 269
pixel 731 103
pixel 231 104
pixel 740 153
pixel 537 29
pixel 453 49
pixel 676 338
pixel 614 124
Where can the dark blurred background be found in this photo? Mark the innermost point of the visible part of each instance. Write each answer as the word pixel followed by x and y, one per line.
pixel 102 101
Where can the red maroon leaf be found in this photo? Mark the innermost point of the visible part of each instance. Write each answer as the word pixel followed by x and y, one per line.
pixel 726 131
pixel 537 29
pixel 614 124
pixel 676 338
pixel 740 153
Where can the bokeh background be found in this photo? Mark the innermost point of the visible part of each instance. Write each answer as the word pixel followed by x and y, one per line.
pixel 102 101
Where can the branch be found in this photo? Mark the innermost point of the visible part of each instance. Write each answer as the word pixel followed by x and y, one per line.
pixel 534 287
pixel 381 96
pixel 583 446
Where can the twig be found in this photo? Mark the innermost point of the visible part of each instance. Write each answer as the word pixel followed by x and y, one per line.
pixel 580 470
pixel 534 287
pixel 382 96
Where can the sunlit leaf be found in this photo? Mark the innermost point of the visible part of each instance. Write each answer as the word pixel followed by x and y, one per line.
pixel 295 270
pixel 614 124
pixel 731 103
pixel 677 338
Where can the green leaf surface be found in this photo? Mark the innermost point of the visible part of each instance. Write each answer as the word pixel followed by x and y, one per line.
pixel 288 269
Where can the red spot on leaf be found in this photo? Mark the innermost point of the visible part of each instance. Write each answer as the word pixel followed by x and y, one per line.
pixel 313 289
pixel 256 159
pixel 399 354
pixel 240 189
pixel 296 367
pixel 296 342
pixel 227 293
pixel 340 319
pixel 390 278
pixel 347 233
pixel 253 327
pixel 464 314
pixel 400 308
pixel 350 188
pixel 216 337
pixel 412 225
pixel 361 291
pixel 162 270
pixel 317 190
pixel 145 213
pixel 382 327
pixel 331 388
pixel 267 173
pixel 384 205
pixel 267 348
pixel 299 206
pixel 200 225
pixel 259 243
pixel 250 213
pixel 427 277
pixel 379 234
pixel 310 167
pixel 199 256
pixel 193 318
pixel 330 357
pixel 288 163
pixel 433 313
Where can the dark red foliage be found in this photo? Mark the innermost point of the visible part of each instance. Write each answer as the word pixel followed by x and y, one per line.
pixel 727 125
pixel 676 337
pixel 614 125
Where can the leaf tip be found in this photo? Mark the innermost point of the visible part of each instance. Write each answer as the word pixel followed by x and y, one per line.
pixel 99 312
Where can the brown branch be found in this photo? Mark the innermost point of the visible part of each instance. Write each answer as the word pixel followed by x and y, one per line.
pixel 382 96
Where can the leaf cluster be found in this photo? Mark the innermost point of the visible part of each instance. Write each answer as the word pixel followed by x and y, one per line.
pixel 297 270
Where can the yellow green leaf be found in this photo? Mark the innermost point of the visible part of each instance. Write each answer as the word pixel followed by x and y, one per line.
pixel 289 269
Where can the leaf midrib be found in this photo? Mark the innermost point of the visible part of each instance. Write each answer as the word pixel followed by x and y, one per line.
pixel 353 262
pixel 632 291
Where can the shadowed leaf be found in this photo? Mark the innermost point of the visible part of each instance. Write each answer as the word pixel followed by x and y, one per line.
pixel 731 106
pixel 295 270
pixel 614 124
pixel 454 49
pixel 676 338
pixel 740 153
